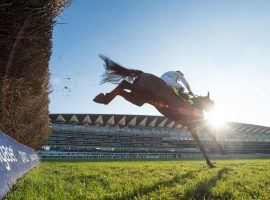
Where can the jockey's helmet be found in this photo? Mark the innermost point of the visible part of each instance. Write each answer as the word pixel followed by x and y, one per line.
pixel 180 73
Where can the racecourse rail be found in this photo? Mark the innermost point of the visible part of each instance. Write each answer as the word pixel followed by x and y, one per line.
pixel 106 155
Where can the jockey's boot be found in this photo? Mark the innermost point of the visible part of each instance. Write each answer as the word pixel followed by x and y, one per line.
pixel 184 96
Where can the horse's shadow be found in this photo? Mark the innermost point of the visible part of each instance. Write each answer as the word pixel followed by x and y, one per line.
pixel 202 190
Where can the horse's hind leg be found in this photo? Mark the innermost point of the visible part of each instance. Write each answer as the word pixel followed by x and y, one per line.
pixel 132 97
pixel 108 97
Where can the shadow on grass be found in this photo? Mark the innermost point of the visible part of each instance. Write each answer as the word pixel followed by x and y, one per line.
pixel 144 191
pixel 203 188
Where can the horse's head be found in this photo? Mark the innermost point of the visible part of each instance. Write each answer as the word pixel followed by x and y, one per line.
pixel 204 102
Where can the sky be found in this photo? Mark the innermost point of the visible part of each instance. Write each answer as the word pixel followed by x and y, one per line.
pixel 221 46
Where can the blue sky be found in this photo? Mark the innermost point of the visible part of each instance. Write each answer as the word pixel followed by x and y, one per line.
pixel 221 46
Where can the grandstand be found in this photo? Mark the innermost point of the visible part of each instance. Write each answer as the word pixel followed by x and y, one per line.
pixel 140 136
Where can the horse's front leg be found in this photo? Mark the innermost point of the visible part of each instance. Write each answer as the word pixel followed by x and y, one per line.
pixel 108 97
pixel 194 134
pixel 215 141
pixel 218 145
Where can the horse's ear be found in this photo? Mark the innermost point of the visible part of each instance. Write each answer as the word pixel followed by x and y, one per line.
pixel 208 94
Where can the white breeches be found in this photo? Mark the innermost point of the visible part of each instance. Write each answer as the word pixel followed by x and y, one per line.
pixel 172 83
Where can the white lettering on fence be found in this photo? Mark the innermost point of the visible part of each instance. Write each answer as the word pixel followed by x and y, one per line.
pixel 24 157
pixel 33 157
pixel 7 156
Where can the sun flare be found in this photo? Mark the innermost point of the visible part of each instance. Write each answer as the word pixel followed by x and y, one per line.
pixel 215 118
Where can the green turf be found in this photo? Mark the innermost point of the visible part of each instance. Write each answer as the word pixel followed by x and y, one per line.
pixel 231 179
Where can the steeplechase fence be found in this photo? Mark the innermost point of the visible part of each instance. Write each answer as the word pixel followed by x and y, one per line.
pixel 16 160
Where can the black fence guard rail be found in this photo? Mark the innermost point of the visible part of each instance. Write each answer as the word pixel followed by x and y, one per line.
pixel 16 159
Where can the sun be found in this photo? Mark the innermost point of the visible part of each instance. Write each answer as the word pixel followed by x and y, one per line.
pixel 215 118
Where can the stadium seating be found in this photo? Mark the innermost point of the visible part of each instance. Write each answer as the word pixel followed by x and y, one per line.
pixel 128 134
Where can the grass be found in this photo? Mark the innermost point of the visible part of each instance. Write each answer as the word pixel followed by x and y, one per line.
pixel 176 179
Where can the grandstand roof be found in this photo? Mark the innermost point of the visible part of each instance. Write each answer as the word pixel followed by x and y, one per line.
pixel 114 120
pixel 144 121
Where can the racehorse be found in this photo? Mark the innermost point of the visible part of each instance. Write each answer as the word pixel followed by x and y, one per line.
pixel 148 88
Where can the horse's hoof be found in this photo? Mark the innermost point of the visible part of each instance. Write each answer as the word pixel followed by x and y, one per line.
pixel 103 98
pixel 211 165
pixel 100 99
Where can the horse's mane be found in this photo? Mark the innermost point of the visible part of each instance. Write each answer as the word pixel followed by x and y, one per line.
pixel 198 100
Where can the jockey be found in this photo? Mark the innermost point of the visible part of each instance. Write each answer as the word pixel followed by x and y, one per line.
pixel 172 78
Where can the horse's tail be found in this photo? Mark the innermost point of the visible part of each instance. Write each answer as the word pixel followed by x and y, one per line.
pixel 115 73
